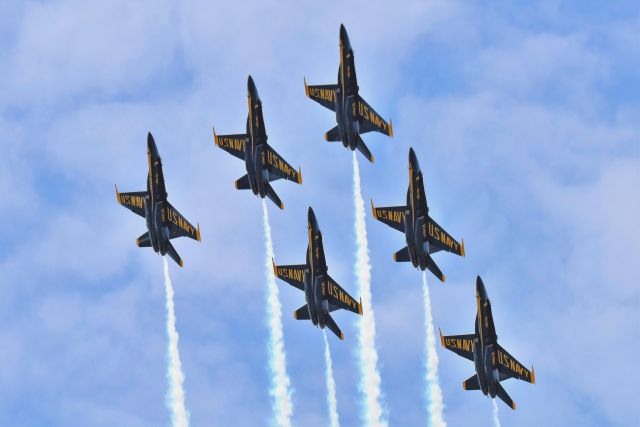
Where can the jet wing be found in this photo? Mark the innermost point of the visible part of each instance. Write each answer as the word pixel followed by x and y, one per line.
pixel 511 368
pixel 339 297
pixel 292 274
pixel 324 95
pixel 179 226
pixel 279 168
pixel 232 144
pixel 441 239
pixel 462 345
pixel 371 121
pixel 393 216
pixel 133 201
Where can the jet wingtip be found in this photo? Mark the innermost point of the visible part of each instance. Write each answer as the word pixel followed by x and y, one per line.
pixel 390 128
pixel 444 278
pixel 295 315
pixel 464 385
pixel 462 250
pixel 533 376
pixel 299 175
pixel 117 194
pixel 138 242
pixel 360 307
pixel 181 263
pixel 373 209
pixel 306 88
pixel 281 206
pixel 513 405
pixel 198 237
pixel 342 336
pixel 441 337
pixel 215 136
pixel 275 270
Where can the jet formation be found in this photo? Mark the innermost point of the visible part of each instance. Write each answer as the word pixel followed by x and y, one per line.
pixel 492 362
pixel 423 235
pixel 322 293
pixel 354 116
pixel 164 222
pixel 262 162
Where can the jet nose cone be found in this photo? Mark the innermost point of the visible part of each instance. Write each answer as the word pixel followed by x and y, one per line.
pixel 151 145
pixel 413 160
pixel 312 219
pixel 344 37
pixel 480 289
pixel 251 88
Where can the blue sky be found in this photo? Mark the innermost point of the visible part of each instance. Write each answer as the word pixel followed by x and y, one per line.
pixel 525 119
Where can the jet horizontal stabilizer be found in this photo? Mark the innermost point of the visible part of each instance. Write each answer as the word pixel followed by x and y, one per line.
pixel 273 196
pixel 331 324
pixel 402 255
pixel 432 267
pixel 144 241
pixel 362 147
pixel 242 183
pixel 171 251
pixel 302 313
pixel 472 383
pixel 332 135
pixel 502 394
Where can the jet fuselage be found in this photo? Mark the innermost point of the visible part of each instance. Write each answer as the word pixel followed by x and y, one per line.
pixel 254 147
pixel 315 274
pixel 485 344
pixel 416 215
pixel 156 207
pixel 347 95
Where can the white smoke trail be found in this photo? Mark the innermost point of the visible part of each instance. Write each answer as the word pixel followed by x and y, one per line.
pixel 175 395
pixel 332 402
pixel 434 392
pixel 368 355
pixel 280 384
pixel 496 419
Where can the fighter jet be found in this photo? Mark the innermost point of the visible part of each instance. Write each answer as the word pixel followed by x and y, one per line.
pixel 492 362
pixel 322 293
pixel 424 236
pixel 164 222
pixel 353 114
pixel 262 162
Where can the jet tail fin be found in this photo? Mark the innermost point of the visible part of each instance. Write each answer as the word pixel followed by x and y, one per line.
pixel 362 147
pixel 243 183
pixel 144 241
pixel 502 394
pixel 274 197
pixel 331 324
pixel 332 135
pixel 432 267
pixel 171 251
pixel 472 383
pixel 402 255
